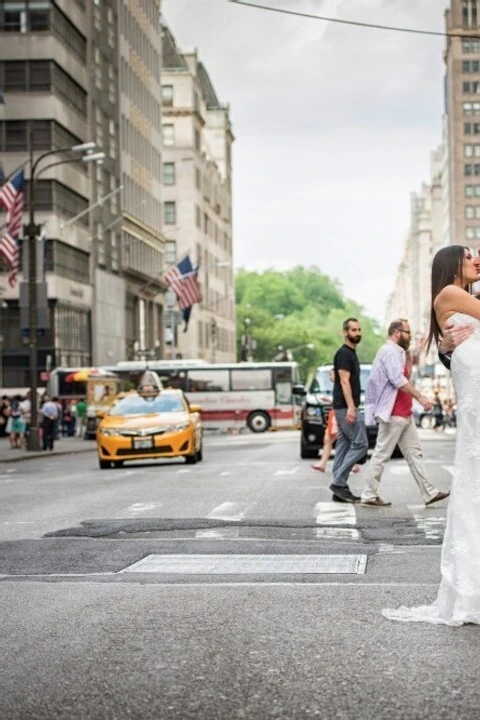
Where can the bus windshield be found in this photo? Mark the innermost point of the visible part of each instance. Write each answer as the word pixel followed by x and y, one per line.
pixel 323 380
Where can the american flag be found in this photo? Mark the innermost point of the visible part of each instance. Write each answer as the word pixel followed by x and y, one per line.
pixel 12 199
pixel 183 280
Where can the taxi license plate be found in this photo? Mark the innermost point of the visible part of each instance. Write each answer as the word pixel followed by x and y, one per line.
pixel 142 443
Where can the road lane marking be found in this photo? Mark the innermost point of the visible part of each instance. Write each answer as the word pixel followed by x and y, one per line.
pixel 225 473
pixel 399 469
pixel 229 511
pixel 449 468
pixel 287 472
pixel 432 525
pixel 138 508
pixel 328 513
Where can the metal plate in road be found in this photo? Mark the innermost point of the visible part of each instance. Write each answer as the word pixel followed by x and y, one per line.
pixel 250 564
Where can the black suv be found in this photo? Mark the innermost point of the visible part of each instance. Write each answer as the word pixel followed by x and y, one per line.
pixel 316 406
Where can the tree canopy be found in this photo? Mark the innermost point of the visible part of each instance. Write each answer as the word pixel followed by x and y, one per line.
pixel 298 313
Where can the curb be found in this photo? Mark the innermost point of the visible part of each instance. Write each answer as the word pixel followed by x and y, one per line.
pixel 43 454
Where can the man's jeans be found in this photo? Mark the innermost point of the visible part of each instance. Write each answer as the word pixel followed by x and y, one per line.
pixel 350 448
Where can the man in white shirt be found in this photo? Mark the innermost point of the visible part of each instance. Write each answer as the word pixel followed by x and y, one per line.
pixel 49 411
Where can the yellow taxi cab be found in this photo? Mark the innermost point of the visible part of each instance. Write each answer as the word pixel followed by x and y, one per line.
pixel 150 423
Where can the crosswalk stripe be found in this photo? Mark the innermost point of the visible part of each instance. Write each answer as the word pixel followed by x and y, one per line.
pixel 229 511
pixel 329 513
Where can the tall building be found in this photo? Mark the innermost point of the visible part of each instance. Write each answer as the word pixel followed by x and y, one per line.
pixel 462 59
pixel 74 71
pixel 410 298
pixel 197 202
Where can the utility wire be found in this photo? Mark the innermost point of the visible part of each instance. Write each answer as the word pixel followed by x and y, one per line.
pixel 352 22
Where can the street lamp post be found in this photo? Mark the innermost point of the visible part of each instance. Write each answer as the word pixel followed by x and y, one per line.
pixel 31 232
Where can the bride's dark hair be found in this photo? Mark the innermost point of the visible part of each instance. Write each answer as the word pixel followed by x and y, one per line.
pixel 447 266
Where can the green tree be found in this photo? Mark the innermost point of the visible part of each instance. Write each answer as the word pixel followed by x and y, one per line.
pixel 288 311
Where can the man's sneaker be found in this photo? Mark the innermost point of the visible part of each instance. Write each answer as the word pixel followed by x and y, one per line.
pixel 378 502
pixel 337 499
pixel 343 493
pixel 437 497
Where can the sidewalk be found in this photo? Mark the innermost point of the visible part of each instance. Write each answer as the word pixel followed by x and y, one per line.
pixel 64 446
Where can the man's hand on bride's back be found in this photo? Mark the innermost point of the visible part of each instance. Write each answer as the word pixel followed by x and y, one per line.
pixel 453 336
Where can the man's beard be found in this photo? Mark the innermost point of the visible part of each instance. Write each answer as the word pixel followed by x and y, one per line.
pixel 354 338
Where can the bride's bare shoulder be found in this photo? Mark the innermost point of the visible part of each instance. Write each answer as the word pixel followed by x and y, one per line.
pixel 448 293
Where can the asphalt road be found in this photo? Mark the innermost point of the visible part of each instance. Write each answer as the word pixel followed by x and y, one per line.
pixel 224 617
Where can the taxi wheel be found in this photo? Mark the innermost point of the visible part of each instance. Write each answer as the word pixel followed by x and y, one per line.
pixel 200 454
pixel 104 464
pixel 191 459
pixel 118 463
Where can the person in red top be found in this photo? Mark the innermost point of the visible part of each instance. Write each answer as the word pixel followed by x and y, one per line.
pixel 397 426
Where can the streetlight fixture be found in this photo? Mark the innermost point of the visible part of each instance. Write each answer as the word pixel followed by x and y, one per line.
pixel 31 232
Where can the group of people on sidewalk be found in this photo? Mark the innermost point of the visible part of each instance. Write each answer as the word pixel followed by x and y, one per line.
pixel 56 419
pixel 455 328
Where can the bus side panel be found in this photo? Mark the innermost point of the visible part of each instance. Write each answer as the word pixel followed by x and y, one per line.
pixel 223 410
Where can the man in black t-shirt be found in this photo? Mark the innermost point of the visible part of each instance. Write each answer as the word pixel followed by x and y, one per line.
pixel 352 442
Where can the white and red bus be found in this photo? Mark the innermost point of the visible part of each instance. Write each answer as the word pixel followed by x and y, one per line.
pixel 233 395
pixel 258 395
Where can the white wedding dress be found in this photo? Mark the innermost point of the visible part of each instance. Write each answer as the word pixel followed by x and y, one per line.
pixel 458 599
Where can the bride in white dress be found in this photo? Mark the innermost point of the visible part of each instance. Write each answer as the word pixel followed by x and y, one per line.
pixel 458 598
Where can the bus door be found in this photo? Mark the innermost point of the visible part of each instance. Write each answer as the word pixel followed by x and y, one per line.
pixel 285 413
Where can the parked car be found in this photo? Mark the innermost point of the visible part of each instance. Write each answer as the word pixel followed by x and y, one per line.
pixel 317 404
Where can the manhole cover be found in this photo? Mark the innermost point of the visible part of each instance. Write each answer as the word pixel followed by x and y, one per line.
pixel 249 564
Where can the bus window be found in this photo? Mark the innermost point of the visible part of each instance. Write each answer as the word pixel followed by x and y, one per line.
pixel 252 379
pixel 173 379
pixel 282 378
pixel 207 381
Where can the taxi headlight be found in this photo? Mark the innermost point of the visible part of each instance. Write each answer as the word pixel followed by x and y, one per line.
pixel 109 432
pixel 178 427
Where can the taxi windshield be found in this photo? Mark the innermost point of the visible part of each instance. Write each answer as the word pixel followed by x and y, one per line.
pixel 138 405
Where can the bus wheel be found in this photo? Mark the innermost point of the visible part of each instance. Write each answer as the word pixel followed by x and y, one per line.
pixel 258 421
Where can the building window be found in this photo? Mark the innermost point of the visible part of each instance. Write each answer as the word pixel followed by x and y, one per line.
pixel 169 213
pixel 171 252
pixel 467 128
pixel 70 262
pixel 468 150
pixel 468 190
pixel 469 211
pixel 167 95
pixel 467 108
pixel 168 135
pixel 470 45
pixel 469 233
pixel 169 173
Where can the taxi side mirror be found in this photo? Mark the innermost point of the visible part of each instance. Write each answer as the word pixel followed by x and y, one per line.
pixel 195 408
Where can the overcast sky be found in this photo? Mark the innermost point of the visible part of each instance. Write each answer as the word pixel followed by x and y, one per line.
pixel 334 128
